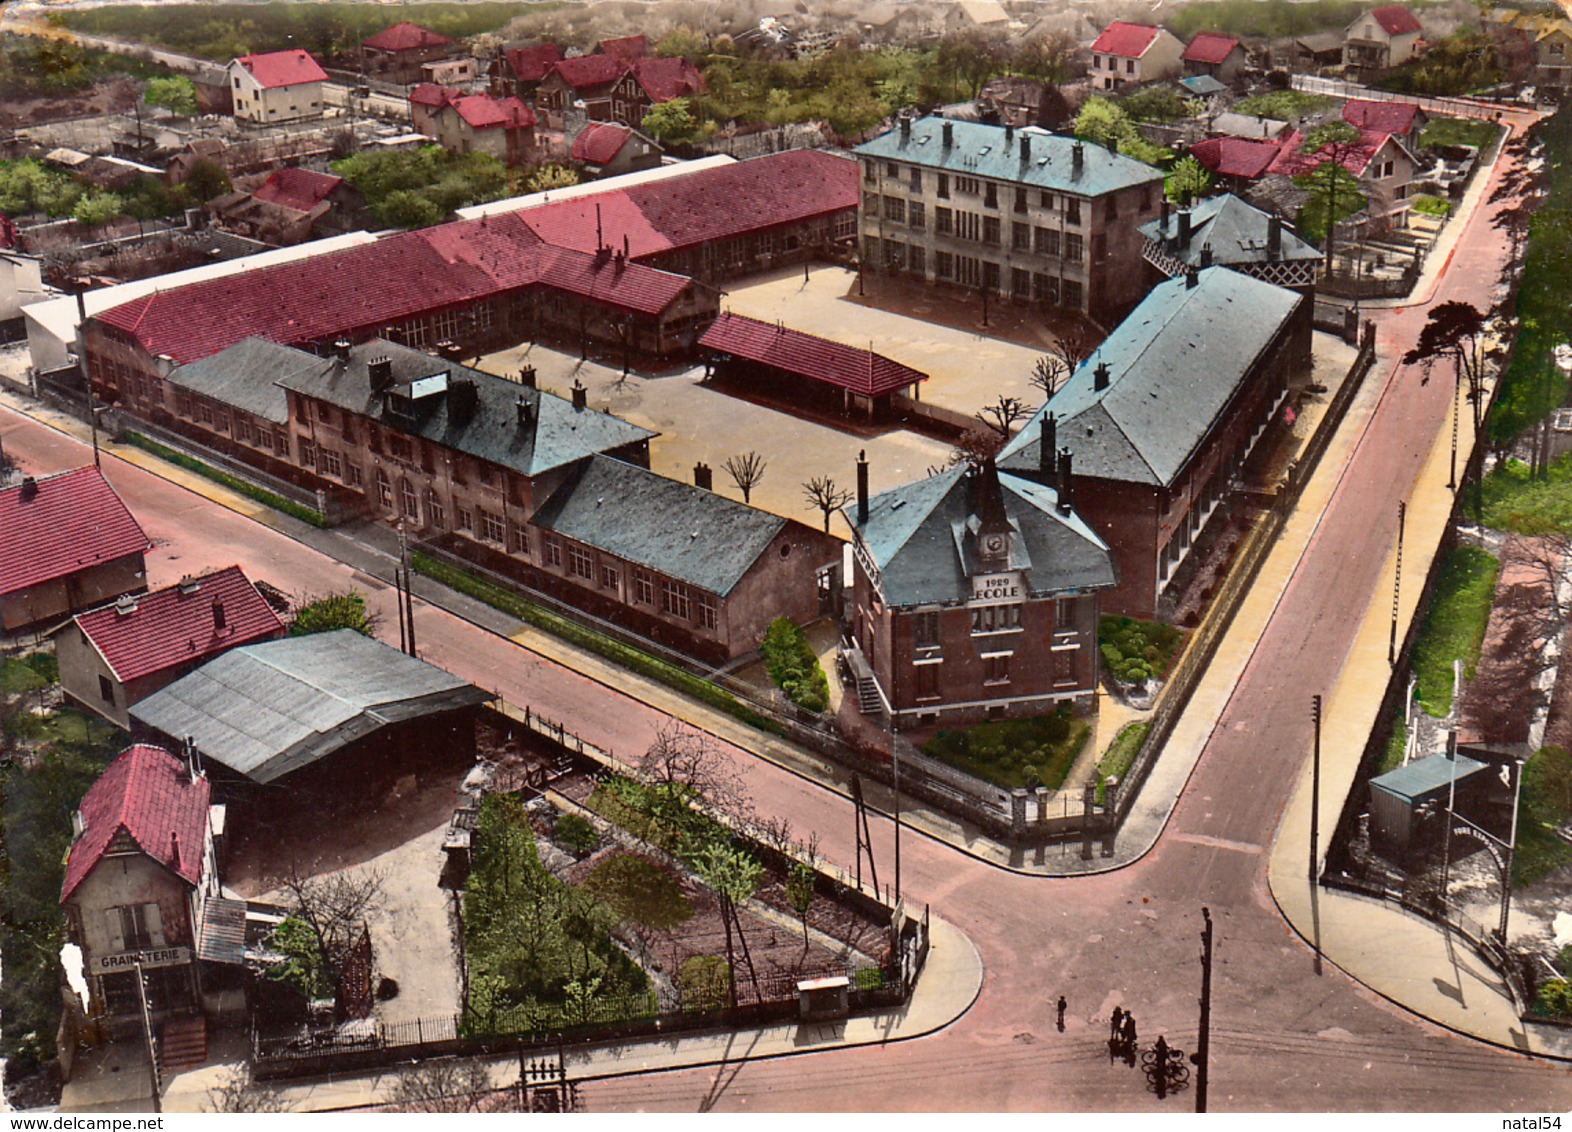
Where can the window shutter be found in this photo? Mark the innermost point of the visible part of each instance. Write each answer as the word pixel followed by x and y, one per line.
pixel 117 939
pixel 152 925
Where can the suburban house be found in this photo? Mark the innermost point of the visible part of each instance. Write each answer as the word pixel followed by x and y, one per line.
pixel 1127 55
pixel 1236 162
pixel 124 652
pixel 1035 216
pixel 292 206
pixel 975 593
pixel 1162 417
pixel 580 85
pixel 425 100
pixel 333 714
pixel 1318 51
pixel 1382 164
pixel 142 900
pixel 69 544
pixel 478 123
pixel 649 82
pixel 518 71
pixel 968 15
pixel 628 48
pixel 1553 59
pixel 1382 38
pixel 606 149
pixel 1404 120
pixel 396 54
pixel 280 86
pixel 1220 56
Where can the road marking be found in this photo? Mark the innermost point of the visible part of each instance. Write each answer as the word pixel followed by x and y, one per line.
pixel 1217 843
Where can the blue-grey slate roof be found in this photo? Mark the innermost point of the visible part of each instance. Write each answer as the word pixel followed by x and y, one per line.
pixel 915 536
pixel 980 150
pixel 554 434
pixel 1425 776
pixel 1175 363
pixel 246 375
pixel 266 710
pixel 682 531
pixel 1233 231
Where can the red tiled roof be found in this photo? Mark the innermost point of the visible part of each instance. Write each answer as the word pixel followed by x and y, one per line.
pixel 1235 157
pixel 1380 117
pixel 628 48
pixel 299 189
pixel 861 371
pixel 1127 40
pixel 283 68
pixel 62 524
pixel 666 79
pixel 406 37
pixel 430 94
pixel 1396 19
pixel 178 625
pixel 148 793
pixel 482 112
pixel 1209 47
pixel 530 64
pixel 1292 163
pixel 599 143
pixel 589 71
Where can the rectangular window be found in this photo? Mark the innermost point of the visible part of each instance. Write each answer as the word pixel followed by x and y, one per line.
pixel 581 564
pixel 1072 294
pixel 329 463
pixel 1045 289
pixel 135 927
pixel 916 180
pixel 106 690
pixel 1045 198
pixel 870 204
pixel 917 260
pixel 1064 665
pixel 437 513
pixel 1020 283
pixel 943 265
pixel 869 173
pixel 894 255
pixel 708 612
pixel 996 618
pixel 969 185
pixel 968 225
pixel 518 542
pixel 895 209
pixel 463 518
pixel 1113 205
pixel 1021 237
pixel 553 551
pixel 990 195
pixel 891 169
pixel 925 628
pixel 1020 199
pixel 1129 66
pixel 914 214
pixel 990 276
pixel 1047 241
pixel 674 599
pixel 1074 248
pixel 643 587
pixel 492 528
pixel 968 271
pixel 990 231
pixel 384 489
pixel 409 506
pixel 352 475
pixel 996 669
pixel 1072 212
pixel 943 223
pixel 928 681
pixel 609 577
pixel 943 189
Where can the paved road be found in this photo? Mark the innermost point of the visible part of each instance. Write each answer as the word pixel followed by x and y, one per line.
pixel 1289 1033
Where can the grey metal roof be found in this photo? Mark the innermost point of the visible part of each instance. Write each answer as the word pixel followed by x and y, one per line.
pixel 1203 85
pixel 979 150
pixel 554 433
pixel 1426 776
pixel 1231 124
pixel 266 710
pixel 1176 361
pixel 914 535
pixel 246 375
pixel 1232 231
pixel 684 532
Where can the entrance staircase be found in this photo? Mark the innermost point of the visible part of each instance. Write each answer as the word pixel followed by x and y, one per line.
pixel 182 1045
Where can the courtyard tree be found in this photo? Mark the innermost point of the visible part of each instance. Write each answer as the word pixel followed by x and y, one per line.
pixel 800 892
pixel 1334 191
pixel 1049 373
pixel 672 122
pixel 746 471
pixel 825 494
pixel 1049 57
pixel 333 907
pixel 733 875
pixel 1188 180
pixel 544 178
pixel 1002 415
pixel 176 94
pixel 326 612
pixel 687 765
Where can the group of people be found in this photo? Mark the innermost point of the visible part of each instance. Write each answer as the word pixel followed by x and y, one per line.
pixel 1121 1036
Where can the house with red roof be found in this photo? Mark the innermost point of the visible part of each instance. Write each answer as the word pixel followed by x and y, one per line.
pixel 1382 164
pixel 69 544
pixel 519 70
pixel 479 123
pixel 1211 53
pixel 579 86
pixel 1128 54
pixel 425 100
pixel 293 205
pixel 280 86
pixel 142 899
pixel 629 48
pixel 1405 119
pixel 1235 161
pixel 1380 39
pixel 123 652
pixel 608 149
pixel 396 54
pixel 649 82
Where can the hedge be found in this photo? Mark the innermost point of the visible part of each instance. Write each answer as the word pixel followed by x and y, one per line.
pixel 234 483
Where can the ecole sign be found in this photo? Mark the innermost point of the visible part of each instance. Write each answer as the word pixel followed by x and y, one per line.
pixel 156 957
pixel 997 588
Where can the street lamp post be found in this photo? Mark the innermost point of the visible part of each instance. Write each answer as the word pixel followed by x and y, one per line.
pixel 147 1035
pixel 1315 789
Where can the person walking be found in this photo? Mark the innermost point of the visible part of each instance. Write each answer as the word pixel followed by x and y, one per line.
pixel 1063 1006
pixel 1129 1038
pixel 1116 1024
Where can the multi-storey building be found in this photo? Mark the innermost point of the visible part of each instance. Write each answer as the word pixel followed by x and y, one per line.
pixel 1020 213
pixel 1127 55
pixel 281 86
pixel 1381 38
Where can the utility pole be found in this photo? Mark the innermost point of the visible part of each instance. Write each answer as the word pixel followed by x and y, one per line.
pixel 81 366
pixel 895 770
pixel 1204 1041
pixel 1397 583
pixel 1315 788
pixel 1457 393
pixel 147 1035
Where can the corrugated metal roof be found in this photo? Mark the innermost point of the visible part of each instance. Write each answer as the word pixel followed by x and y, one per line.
pixel 915 535
pixel 223 931
pixel 685 532
pixel 979 150
pixel 1175 364
pixel 266 710
pixel 1427 775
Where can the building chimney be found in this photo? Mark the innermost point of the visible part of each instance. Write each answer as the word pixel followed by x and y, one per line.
pixel 174 850
pixel 1047 446
pixel 1191 275
pixel 1184 227
pixel 1009 135
pixel 1066 484
pixel 125 605
pixel 1026 148
pixel 527 377
pixel 1274 236
pixel 949 134
pixel 1206 256
pixel 906 127
pixel 29 489
pixel 1162 217
pixel 580 395
pixel 189 586
pixel 220 623
pixel 1077 157
pixel 524 411
pixel 341 347
pixel 380 372
pixel 704 476
pixel 1100 377
pixel 862 487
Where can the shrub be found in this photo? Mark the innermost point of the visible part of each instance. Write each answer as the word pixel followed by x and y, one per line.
pixel 1010 752
pixel 793 665
pixel 705 982
pixel 303 967
pixel 869 978
pixel 640 891
pixel 1136 651
pixel 576 833
pixel 1554 998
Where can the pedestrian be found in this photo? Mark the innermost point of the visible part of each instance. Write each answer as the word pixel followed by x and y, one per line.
pixel 1063 1005
pixel 1129 1038
pixel 1116 1024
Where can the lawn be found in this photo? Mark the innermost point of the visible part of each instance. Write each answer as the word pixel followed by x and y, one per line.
pixel 1120 755
pixel 1283 105
pixel 1458 131
pixel 1014 752
pixel 1454 625
pixel 1514 501
pixel 1546 804
pixel 1430 206
pixel 28 673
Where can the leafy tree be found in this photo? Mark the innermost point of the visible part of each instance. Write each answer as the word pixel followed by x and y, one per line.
pixel 176 93
pixel 1049 58
pixel 799 893
pixel 1187 181
pixel 971 58
pixel 408 208
pixel 333 611
pixel 733 876
pixel 97 207
pixel 207 180
pixel 1455 331
pixel 1157 104
pixel 680 43
pixel 671 122
pixel 331 912
pixel 29 186
pixel 303 967
pixel 1334 191
pixel 546 177
pixel 1101 122
pixel 418 187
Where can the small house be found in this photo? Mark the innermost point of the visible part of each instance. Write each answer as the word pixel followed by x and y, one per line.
pixel 280 86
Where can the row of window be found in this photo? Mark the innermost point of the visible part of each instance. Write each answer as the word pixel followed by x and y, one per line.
pixel 960 225
pixel 967 271
pixel 988 190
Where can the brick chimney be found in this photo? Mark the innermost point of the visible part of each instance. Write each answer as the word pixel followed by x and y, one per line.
pixel 1190 277
pixel 527 377
pixel 1026 148
pixel 219 621
pixel 1206 256
pixel 380 373
pixel 1162 217
pixel 1077 157
pixel 1184 227
pixel 862 487
pixel 1100 377
pixel 1274 237
pixel 1066 484
pixel 704 476
pixel 580 395
pixel 1047 445
pixel 524 410
pixel 949 134
pixel 906 127
pixel 29 489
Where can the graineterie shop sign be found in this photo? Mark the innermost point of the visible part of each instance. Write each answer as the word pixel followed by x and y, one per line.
pixel 153 957
pixel 998 589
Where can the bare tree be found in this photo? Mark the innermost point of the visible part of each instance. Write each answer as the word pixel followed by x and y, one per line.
pixel 975 446
pixel 237 1092
pixel 746 471
pixel 693 761
pixel 1003 413
pixel 1049 374
pixel 1073 346
pixel 446 1086
pixel 334 906
pixel 823 492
